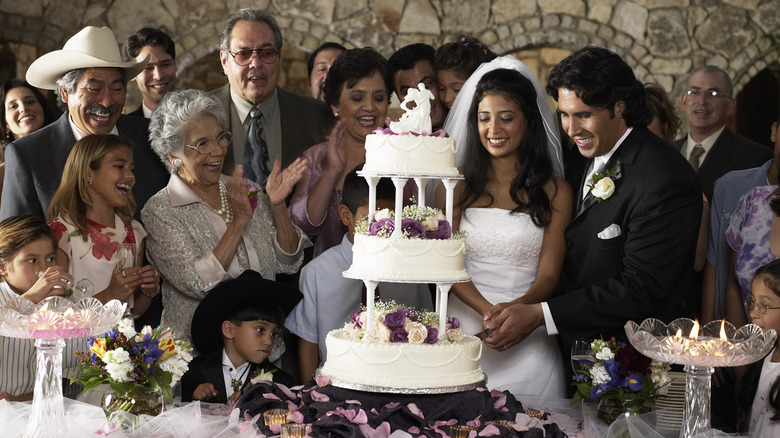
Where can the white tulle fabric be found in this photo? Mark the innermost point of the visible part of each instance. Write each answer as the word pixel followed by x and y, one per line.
pixel 193 420
pixel 456 123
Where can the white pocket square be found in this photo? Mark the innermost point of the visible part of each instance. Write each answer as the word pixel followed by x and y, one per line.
pixel 610 232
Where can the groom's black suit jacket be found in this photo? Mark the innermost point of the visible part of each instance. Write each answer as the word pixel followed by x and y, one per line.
pixel 648 269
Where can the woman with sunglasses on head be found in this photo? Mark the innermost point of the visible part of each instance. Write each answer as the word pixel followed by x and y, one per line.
pixel 205 227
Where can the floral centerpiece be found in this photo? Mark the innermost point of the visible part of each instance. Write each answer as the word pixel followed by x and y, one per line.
pixel 130 361
pixel 620 374
pixel 398 324
pixel 419 222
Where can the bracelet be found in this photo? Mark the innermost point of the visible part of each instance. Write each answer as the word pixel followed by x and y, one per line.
pixel 153 294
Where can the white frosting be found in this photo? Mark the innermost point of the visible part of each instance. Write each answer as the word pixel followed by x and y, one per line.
pixel 403 365
pixel 390 259
pixel 409 154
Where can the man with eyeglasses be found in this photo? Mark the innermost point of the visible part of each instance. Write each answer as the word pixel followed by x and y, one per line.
pixel 268 122
pixel 710 147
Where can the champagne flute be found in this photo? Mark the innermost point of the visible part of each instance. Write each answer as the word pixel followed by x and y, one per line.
pixel 581 353
pixel 125 259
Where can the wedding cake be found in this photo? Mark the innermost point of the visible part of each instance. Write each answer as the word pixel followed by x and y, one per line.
pixel 386 347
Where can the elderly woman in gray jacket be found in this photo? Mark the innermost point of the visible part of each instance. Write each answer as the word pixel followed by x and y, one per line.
pixel 205 227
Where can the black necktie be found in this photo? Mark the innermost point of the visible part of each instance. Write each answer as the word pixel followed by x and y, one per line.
pixel 255 149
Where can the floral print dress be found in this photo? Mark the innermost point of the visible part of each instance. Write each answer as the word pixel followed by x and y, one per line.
pixel 94 258
pixel 748 234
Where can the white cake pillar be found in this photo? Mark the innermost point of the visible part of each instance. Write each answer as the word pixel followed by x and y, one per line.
pixel 421 182
pixel 449 185
pixel 370 291
pixel 442 293
pixel 372 182
pixel 399 205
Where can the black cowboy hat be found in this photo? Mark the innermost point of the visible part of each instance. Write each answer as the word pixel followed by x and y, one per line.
pixel 249 289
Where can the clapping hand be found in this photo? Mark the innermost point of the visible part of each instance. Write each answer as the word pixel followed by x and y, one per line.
pixel 281 183
pixel 239 201
pixel 335 156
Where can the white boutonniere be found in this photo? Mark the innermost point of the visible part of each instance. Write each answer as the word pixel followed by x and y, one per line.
pixel 262 374
pixel 602 185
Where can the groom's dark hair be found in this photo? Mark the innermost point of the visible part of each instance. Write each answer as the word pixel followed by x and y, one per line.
pixel 600 77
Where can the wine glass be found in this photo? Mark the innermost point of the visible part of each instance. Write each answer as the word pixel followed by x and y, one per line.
pixel 581 352
pixel 84 287
pixel 125 259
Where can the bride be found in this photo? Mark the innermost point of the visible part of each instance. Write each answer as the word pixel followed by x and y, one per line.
pixel 515 207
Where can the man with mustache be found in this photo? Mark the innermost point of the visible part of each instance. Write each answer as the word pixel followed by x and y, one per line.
pixel 284 124
pixel 90 80
pixel 710 147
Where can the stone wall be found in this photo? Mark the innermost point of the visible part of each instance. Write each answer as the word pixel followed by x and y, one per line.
pixel 662 39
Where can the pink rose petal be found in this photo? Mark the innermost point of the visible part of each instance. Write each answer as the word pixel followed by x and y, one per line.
pixel 415 410
pixel 498 404
pixel 392 405
pixel 295 417
pixel 319 397
pixel 353 402
pixel 271 396
pixel 489 430
pixel 322 381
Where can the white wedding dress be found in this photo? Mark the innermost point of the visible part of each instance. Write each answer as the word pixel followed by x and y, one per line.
pixel 502 255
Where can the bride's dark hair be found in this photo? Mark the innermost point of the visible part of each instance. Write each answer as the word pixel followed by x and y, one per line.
pixel 534 167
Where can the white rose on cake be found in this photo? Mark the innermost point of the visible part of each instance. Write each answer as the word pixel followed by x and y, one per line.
pixel 417 332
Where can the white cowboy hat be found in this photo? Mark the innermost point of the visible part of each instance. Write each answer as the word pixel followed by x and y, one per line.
pixel 91 47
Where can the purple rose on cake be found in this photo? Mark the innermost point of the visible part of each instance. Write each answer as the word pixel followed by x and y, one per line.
pixel 396 319
pixel 444 231
pixel 413 228
pixel 453 323
pixel 433 335
pixel 399 335
pixel 382 227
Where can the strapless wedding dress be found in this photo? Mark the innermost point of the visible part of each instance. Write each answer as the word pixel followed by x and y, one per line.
pixel 502 255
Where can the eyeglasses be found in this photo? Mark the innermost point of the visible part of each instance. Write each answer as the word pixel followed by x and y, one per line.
pixel 244 56
pixel 696 92
pixel 206 146
pixel 760 307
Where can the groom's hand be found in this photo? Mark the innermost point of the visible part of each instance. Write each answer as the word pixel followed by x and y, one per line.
pixel 512 324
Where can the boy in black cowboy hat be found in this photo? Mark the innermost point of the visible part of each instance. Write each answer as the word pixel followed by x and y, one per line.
pixel 236 328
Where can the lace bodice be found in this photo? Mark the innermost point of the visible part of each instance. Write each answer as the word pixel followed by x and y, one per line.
pixel 496 236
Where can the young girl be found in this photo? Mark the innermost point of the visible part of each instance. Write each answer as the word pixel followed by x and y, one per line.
pixel 27 246
pixel 762 386
pixel 455 62
pixel 92 216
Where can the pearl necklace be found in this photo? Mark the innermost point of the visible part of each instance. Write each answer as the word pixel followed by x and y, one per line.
pixel 225 211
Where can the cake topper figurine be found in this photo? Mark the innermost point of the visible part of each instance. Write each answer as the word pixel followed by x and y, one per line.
pixel 417 119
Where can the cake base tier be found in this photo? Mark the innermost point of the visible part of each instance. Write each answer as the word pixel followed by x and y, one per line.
pixel 395 390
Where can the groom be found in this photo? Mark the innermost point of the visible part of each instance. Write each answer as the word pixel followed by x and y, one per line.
pixel 630 246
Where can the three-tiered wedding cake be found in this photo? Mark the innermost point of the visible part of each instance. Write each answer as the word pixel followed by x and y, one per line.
pixel 387 347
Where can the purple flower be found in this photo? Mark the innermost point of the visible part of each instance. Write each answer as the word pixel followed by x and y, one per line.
pixel 433 335
pixel 633 382
pixel 356 319
pixel 453 323
pixel 387 225
pixel 413 228
pixel 443 232
pixel 399 335
pixel 395 319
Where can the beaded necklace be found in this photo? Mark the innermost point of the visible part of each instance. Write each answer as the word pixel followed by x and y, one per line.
pixel 225 210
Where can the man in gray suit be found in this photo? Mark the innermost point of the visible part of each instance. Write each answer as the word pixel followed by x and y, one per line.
pixel 251 57
pixel 90 80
